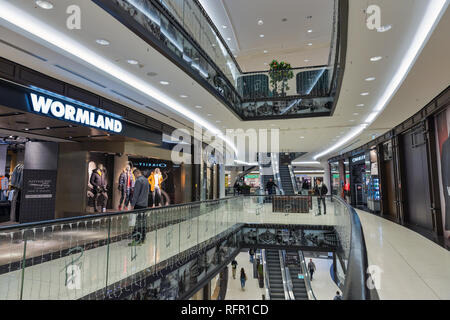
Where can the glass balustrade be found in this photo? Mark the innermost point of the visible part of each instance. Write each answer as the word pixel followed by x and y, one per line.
pixel 102 256
pixel 185 30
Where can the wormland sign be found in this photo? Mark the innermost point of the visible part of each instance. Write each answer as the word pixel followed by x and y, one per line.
pixel 64 111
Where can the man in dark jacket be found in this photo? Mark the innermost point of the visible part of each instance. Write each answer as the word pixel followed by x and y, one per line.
pixel 270 186
pixel 140 201
pixel 99 183
pixel 321 192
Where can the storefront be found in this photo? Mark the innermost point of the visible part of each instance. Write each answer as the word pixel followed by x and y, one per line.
pixel 62 157
pixel 403 174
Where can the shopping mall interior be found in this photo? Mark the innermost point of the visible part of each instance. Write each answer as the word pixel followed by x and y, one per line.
pixel 224 150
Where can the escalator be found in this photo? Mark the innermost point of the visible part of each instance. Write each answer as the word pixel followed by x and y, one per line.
pixel 276 286
pixel 286 180
pixel 298 285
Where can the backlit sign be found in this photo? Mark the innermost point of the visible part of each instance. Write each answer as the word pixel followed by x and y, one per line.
pixel 360 158
pixel 63 111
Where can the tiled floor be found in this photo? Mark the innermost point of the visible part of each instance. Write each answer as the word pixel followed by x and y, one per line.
pixel 412 267
pixel 252 290
pixel 323 286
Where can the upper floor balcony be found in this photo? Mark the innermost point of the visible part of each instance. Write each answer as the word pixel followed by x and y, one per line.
pixel 183 32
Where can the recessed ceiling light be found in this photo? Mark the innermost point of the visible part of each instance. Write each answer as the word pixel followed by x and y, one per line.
pixel 260 22
pixel 356 114
pixel 365 94
pixel 199 107
pixel 360 105
pixel 224 26
pixel 131 61
pixel 302 137
pixel 26 129
pixel 229 39
pixel 306 60
pixel 102 42
pixel 377 58
pixel 310 44
pixel 44 4
pixel 310 30
pixel 164 83
pixel 371 79
pixel 265 51
pixel 48 128
pixel 183 96
pixel 209 114
pixel 384 28
pixel 261 36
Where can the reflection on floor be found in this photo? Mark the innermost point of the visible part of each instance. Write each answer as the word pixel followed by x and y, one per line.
pixel 409 266
pixel 252 290
pixel 323 286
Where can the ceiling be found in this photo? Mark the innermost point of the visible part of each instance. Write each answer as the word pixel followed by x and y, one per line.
pixel 285 29
pixel 425 81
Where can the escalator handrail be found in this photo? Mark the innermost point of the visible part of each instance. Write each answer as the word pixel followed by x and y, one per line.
pixel 283 276
pixel 307 278
pixel 290 285
pixel 266 274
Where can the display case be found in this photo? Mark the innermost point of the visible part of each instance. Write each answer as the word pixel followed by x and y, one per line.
pixel 373 201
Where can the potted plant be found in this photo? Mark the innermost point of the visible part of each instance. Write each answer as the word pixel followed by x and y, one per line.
pixel 280 73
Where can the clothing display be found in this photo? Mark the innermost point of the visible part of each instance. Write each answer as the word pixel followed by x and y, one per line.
pixel 99 183
pixel 17 176
pixel 17 184
pixel 446 180
pixel 126 187
pixel 155 180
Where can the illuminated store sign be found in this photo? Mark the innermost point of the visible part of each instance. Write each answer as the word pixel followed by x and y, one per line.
pixel 360 158
pixel 57 109
pixel 150 164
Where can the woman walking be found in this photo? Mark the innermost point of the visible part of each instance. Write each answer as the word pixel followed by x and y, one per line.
pixel 243 279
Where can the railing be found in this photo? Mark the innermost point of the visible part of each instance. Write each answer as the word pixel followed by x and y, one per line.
pixel 191 40
pixel 287 275
pixel 99 255
pixel 266 275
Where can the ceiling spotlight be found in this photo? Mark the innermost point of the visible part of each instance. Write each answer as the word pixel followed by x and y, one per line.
pixel 371 79
pixel 48 128
pixel 302 137
pixel 199 107
pixel 310 44
pixel 365 94
pixel 356 114
pixel 260 22
pixel 261 36
pixel 360 105
pixel 224 27
pixel 164 83
pixel 131 61
pixel 310 30
pixel 229 39
pixel 265 51
pixel 375 59
pixel 183 96
pixel 102 42
pixel 44 4
pixel 384 28
pixel 26 129
pixel 306 60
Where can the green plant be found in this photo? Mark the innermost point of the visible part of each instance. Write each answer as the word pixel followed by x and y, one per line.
pixel 280 73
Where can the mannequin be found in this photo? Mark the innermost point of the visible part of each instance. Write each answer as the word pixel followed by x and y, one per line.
pixel 14 196
pixel 126 186
pixel 155 181
pixel 99 183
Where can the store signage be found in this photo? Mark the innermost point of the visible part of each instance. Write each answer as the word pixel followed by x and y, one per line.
pixel 360 158
pixel 60 110
pixel 150 165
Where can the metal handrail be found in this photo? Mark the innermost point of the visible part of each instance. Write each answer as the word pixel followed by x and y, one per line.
pixel 266 274
pixel 283 276
pixel 290 285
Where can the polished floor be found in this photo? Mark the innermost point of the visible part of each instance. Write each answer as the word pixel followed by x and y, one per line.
pixel 406 264
pixel 323 286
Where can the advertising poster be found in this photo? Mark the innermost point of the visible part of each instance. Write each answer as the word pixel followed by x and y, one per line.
pixel 443 154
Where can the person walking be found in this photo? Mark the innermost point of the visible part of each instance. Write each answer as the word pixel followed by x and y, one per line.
pixel 140 201
pixel 234 265
pixel 251 253
pixel 338 296
pixel 270 187
pixel 311 268
pixel 243 279
pixel 321 191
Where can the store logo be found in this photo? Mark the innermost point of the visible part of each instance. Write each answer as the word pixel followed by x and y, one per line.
pixel 74 20
pixel 374 278
pixel 360 158
pixel 151 165
pixel 79 115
